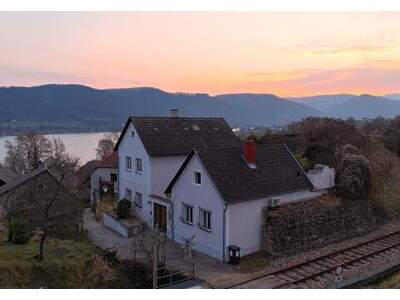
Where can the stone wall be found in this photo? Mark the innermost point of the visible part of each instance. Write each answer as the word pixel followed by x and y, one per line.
pixel 316 223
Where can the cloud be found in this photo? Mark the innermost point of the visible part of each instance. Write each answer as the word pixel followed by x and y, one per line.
pixel 14 76
pixel 343 80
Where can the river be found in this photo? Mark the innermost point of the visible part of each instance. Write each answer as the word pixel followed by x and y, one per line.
pixel 82 145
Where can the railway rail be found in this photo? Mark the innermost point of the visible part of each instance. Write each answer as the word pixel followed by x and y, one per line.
pixel 321 271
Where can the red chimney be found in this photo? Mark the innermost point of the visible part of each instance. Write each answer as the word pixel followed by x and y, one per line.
pixel 249 152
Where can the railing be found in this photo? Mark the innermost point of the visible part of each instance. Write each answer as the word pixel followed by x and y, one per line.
pixel 173 277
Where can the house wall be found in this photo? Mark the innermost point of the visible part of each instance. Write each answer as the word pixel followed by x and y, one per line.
pixel 136 182
pixel 163 170
pixel 204 196
pixel 245 225
pixel 324 179
pixel 248 234
pixel 104 174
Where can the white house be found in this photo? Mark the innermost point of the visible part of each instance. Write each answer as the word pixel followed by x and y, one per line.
pixel 218 195
pixel 104 176
pixel 151 150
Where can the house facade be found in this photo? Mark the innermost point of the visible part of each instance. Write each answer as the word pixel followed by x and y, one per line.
pixel 28 195
pixel 218 195
pixel 104 178
pixel 150 152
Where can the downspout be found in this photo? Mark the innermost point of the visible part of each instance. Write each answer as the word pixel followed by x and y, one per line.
pixel 173 217
pixel 224 233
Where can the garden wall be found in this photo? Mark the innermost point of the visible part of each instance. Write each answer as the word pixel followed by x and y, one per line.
pixel 316 223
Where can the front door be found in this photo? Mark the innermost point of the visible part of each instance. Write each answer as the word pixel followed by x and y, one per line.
pixel 160 216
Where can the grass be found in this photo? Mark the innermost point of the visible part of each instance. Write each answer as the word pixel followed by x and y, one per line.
pixel 388 282
pixel 67 264
pixel 253 262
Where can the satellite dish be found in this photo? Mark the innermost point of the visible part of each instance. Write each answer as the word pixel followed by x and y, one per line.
pixel 105 188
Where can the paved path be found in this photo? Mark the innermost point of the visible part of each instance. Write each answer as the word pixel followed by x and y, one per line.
pixel 206 268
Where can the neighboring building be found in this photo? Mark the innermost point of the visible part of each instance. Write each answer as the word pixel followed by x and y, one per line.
pixel 104 176
pixel 82 176
pixel 218 195
pixel 322 177
pixel 6 176
pixel 150 152
pixel 25 194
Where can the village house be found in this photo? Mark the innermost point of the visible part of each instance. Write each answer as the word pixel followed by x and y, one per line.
pixel 191 177
pixel 150 152
pixel 104 178
pixel 6 176
pixel 218 195
pixel 28 194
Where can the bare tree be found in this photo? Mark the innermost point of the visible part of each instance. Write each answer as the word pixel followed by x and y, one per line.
pixel 149 242
pixel 106 145
pixel 28 151
pixel 46 204
pixel 63 161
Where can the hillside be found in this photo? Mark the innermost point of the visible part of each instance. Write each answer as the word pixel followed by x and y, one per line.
pixel 323 102
pixel 66 105
pixel 365 106
pixel 393 97
pixel 264 109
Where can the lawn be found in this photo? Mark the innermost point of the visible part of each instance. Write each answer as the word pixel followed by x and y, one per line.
pixel 389 282
pixel 66 264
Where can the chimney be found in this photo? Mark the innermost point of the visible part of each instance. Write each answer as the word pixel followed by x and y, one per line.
pixel 174 113
pixel 249 153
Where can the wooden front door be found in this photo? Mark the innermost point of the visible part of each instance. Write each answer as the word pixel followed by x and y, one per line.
pixel 160 216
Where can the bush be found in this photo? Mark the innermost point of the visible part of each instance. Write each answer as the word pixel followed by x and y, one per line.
pixel 20 231
pixel 303 161
pixel 123 209
pixel 354 177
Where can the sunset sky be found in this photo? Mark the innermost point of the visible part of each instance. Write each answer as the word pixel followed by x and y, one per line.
pixel 288 54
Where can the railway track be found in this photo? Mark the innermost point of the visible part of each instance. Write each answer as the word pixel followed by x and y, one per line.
pixel 320 272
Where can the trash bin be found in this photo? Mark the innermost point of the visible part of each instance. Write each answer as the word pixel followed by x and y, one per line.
pixel 234 254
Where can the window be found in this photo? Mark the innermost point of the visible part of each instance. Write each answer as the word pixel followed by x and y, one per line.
pixel 205 219
pixel 128 194
pixel 196 177
pixel 187 213
pixel 132 133
pixel 138 165
pixel 113 177
pixel 138 199
pixel 128 160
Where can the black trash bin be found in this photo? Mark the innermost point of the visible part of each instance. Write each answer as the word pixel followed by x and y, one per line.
pixel 234 254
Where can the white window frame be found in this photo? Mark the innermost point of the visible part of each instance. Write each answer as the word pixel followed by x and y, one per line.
pixel 204 224
pixel 137 203
pixel 128 194
pixel 137 159
pixel 128 163
pixel 186 207
pixel 132 134
pixel 194 177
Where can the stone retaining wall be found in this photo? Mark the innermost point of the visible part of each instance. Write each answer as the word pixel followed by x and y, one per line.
pixel 316 223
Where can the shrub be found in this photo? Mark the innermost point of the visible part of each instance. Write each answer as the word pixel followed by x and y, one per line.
pixel 354 177
pixel 20 231
pixel 123 209
pixel 303 161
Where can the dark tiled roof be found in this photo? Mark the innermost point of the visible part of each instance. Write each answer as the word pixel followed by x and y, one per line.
pixel 22 179
pixel 6 175
pixel 178 136
pixel 109 162
pixel 277 172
